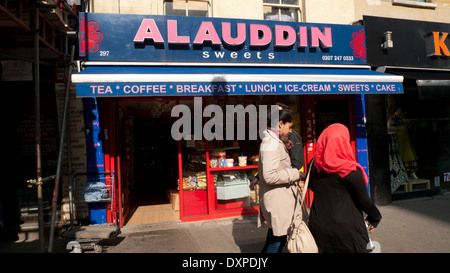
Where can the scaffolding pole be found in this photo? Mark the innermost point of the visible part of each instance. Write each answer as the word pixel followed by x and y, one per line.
pixel 60 154
pixel 37 124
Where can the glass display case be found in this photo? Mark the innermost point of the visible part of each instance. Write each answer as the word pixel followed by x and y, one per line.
pixel 232 188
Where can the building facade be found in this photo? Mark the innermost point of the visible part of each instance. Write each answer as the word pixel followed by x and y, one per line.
pixel 313 11
pixel 114 133
pixel 200 204
pixel 34 61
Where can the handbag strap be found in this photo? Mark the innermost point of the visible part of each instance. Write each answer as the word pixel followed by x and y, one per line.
pixel 303 193
pixel 305 187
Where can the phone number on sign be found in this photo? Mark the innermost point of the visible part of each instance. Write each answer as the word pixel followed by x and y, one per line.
pixel 337 58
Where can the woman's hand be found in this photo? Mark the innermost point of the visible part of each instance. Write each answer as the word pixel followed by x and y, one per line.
pixel 302 175
pixel 370 227
pixel 254 183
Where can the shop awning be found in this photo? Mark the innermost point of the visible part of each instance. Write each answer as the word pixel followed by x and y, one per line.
pixel 118 81
pixel 431 82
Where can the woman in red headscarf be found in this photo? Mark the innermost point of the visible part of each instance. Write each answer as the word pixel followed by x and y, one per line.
pixel 340 195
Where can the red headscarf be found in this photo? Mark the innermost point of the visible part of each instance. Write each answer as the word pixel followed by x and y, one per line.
pixel 334 153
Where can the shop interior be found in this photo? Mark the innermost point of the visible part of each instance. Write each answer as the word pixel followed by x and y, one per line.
pixel 149 164
pixel 419 146
pixel 329 111
pixel 154 154
pixel 226 165
pixel 215 175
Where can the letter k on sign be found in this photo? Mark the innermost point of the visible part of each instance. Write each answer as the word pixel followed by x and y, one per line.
pixel 440 44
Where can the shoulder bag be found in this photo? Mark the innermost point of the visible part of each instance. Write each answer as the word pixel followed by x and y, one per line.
pixel 299 237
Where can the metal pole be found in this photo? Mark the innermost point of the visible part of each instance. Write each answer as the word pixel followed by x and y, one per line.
pixel 71 187
pixel 37 124
pixel 60 154
pixel 69 155
pixel 70 172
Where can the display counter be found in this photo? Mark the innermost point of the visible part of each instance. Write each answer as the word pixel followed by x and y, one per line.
pixel 216 178
pixel 232 187
pixel 217 188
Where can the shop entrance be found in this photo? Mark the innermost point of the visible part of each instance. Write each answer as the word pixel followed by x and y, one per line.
pixel 153 158
pixel 149 165
pixel 322 111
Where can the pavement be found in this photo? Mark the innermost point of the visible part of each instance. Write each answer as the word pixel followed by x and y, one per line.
pixel 419 225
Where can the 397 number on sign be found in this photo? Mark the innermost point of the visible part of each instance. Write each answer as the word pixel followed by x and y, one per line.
pixel 446 177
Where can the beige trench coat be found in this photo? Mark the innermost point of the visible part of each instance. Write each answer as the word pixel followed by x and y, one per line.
pixel 276 192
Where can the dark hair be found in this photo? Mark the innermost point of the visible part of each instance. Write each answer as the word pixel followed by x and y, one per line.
pixel 283 106
pixel 286 116
pixel 283 115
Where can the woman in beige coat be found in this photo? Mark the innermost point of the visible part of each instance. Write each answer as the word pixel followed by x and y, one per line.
pixel 276 183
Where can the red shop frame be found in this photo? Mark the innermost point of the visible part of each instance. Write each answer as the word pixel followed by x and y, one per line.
pixel 113 157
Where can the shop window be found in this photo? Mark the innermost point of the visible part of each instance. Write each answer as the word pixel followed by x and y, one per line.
pixel 282 10
pixel 198 8
pixel 193 181
pixel 233 162
pixel 194 178
pixel 418 127
pixel 216 172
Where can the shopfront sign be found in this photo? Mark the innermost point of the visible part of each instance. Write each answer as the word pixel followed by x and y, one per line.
pixel 181 39
pixel 416 44
pixel 111 81
pixel 441 43
pixel 236 88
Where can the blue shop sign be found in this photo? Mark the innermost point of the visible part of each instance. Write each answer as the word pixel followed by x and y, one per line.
pixel 181 39
pixel 111 81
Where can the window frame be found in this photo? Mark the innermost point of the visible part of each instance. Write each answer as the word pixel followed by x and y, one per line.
pixel 186 7
pixel 280 6
pixel 426 4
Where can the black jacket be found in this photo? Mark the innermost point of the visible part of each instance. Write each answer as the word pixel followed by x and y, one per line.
pixel 336 217
pixel 296 152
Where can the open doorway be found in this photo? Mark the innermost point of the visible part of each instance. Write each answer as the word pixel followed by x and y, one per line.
pixel 332 110
pixel 155 160
pixel 149 160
